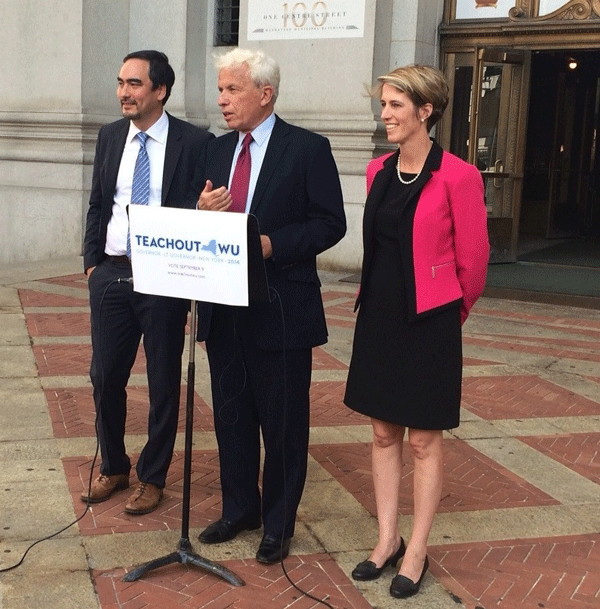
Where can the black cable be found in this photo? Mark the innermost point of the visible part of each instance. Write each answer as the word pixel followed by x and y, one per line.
pixel 87 506
pixel 284 425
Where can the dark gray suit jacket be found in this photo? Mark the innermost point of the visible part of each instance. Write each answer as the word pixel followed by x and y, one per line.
pixel 185 143
pixel 298 203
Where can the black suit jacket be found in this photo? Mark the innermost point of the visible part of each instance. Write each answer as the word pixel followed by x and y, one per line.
pixel 298 203
pixel 185 143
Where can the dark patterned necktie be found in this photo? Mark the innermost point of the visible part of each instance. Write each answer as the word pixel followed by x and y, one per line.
pixel 140 187
pixel 241 177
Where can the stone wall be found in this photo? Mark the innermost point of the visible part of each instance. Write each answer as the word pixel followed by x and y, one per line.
pixel 60 83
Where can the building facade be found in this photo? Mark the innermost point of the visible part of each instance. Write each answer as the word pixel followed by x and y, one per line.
pixel 525 98
pixel 525 81
pixel 64 58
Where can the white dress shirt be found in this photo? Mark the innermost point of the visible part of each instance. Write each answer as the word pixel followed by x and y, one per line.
pixel 118 225
pixel 258 148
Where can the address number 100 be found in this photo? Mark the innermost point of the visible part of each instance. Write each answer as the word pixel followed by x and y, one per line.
pixel 300 14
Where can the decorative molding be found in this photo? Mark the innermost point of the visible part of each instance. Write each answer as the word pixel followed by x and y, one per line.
pixel 353 138
pixel 526 29
pixel 51 141
pixel 522 9
pixel 579 10
pixel 54 137
pixel 516 75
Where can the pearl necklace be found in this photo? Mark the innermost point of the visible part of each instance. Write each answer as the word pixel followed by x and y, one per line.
pixel 406 182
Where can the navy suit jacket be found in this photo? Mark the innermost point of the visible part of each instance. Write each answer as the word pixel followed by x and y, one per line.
pixel 185 143
pixel 298 203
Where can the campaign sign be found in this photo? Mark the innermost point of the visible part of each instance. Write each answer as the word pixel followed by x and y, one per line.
pixel 192 254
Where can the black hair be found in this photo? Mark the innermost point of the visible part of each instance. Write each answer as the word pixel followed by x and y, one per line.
pixel 159 71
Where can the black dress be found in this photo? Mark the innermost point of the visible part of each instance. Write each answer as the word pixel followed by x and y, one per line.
pixel 407 373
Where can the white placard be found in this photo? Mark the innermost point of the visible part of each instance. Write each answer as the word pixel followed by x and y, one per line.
pixel 198 255
pixel 483 9
pixel 276 20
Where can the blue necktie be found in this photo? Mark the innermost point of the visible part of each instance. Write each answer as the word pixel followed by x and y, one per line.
pixel 140 188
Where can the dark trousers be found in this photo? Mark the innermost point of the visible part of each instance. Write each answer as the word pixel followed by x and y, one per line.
pixel 258 391
pixel 120 317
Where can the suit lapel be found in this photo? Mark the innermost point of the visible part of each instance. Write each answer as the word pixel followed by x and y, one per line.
pixel 432 163
pixel 113 158
pixel 377 193
pixel 222 162
pixel 382 181
pixel 375 197
pixel 414 189
pixel 172 153
pixel 278 142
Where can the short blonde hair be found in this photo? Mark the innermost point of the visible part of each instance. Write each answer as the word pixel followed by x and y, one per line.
pixel 264 70
pixel 423 84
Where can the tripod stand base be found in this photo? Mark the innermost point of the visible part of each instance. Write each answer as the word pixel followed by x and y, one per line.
pixel 184 555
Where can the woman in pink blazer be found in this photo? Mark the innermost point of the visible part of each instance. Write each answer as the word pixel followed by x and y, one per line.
pixel 425 259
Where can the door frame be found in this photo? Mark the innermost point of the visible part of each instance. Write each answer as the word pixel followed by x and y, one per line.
pixel 503 179
pixel 460 39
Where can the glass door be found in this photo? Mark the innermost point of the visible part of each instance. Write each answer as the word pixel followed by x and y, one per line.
pixel 486 127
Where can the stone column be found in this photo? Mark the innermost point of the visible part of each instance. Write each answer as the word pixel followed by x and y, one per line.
pixel 41 154
pixel 324 88
pixel 60 82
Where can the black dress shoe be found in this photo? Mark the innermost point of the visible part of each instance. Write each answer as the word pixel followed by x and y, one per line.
pixel 224 530
pixel 272 550
pixel 402 587
pixel 367 570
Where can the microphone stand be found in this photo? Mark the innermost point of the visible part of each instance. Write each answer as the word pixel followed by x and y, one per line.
pixel 185 553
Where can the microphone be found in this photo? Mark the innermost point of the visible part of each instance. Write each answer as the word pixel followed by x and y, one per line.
pixel 125 280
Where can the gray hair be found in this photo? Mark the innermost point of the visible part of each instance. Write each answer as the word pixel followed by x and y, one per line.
pixel 264 70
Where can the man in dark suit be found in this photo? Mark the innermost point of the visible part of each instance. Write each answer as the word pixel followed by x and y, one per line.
pixel 148 158
pixel 260 357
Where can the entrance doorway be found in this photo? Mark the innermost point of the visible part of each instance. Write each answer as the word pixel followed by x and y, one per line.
pixel 530 120
pixel 560 205
pixel 486 126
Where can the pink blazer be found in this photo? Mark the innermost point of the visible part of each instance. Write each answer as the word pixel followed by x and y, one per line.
pixel 450 247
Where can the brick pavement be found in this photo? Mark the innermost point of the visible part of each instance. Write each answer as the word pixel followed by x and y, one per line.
pixel 519 522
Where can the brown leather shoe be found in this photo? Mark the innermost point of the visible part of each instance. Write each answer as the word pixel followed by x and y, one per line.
pixel 104 486
pixel 145 499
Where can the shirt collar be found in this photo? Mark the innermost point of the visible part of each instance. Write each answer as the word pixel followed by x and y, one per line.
pixel 261 133
pixel 158 131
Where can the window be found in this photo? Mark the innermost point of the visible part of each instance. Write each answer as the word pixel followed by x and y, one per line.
pixel 227 23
